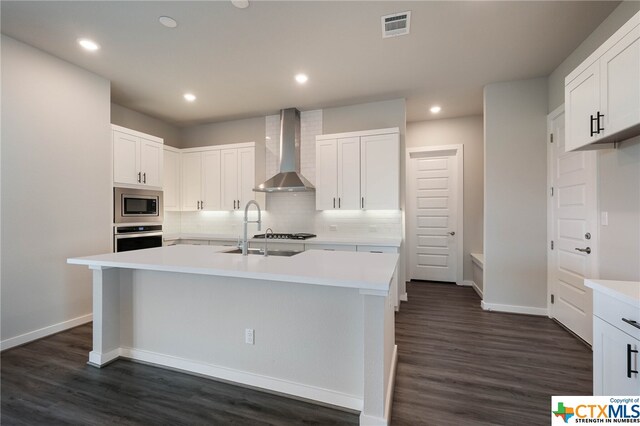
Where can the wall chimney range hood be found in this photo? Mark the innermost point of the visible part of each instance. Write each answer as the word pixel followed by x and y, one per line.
pixel 289 179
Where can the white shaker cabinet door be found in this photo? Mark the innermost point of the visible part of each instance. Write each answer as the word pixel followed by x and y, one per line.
pixel 582 99
pixel 229 178
pixel 613 358
pixel 380 172
pixel 151 157
pixel 125 158
pixel 349 173
pixel 620 84
pixel 191 181
pixel 326 174
pixel 211 199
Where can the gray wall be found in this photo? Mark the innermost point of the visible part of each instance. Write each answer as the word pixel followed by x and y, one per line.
pixel 56 186
pixel 618 170
pixel 515 270
pixel 467 131
pixel 247 130
pixel 135 120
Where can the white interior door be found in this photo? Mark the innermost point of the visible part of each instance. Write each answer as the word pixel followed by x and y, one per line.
pixel 574 232
pixel 434 232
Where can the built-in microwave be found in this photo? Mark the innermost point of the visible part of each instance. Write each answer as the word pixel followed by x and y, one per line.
pixel 137 205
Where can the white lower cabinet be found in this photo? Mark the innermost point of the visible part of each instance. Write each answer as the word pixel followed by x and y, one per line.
pixel 615 361
pixel 616 337
pixel 330 247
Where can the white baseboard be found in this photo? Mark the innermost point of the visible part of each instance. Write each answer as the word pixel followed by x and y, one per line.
pixel 326 396
pixel 100 360
pixel 465 283
pixel 44 332
pixel 514 309
pixel 404 297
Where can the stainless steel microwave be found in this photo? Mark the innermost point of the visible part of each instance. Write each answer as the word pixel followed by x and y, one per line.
pixel 137 205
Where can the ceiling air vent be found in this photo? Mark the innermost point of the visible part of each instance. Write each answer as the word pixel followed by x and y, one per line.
pixel 396 25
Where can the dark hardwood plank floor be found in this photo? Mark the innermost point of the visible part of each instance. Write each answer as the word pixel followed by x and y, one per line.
pixel 457 365
pixel 460 365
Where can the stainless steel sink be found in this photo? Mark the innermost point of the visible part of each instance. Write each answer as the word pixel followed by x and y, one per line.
pixel 260 252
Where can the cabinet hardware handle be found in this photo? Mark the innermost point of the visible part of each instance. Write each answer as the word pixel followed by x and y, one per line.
pixel 144 177
pixel 631 322
pixel 593 120
pixel 629 352
pixel 339 203
pixel 362 203
pixel 139 180
pixel 600 129
pixel 201 205
pixel 238 204
pixel 197 205
pixel 234 204
pixel 584 250
pixel 375 251
pixel 334 202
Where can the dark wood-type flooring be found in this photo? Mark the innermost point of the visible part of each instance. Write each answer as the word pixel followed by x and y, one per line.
pixel 457 365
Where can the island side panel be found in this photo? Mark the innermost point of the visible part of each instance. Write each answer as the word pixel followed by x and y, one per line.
pixel 380 359
pixel 106 316
pixel 308 338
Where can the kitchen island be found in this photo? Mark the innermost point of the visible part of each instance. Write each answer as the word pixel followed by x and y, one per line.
pixel 320 323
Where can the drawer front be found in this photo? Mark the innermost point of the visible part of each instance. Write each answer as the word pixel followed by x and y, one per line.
pixel 613 311
pixel 330 247
pixel 229 243
pixel 378 249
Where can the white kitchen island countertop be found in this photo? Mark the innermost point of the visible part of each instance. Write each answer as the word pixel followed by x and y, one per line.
pixel 369 272
pixel 624 291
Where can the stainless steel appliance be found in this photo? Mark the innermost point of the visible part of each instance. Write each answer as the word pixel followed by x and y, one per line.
pixel 136 237
pixel 137 206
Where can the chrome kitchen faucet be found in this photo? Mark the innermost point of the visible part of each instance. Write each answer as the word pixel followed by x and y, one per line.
pixel 245 244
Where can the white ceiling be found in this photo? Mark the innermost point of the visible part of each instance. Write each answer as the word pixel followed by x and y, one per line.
pixel 241 63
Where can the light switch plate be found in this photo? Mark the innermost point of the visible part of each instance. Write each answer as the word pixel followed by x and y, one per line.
pixel 604 218
pixel 333 227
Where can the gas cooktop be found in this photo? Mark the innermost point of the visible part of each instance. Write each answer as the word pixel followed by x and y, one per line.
pixel 280 236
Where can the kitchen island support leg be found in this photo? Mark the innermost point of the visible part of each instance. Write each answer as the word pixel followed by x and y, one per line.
pixel 106 316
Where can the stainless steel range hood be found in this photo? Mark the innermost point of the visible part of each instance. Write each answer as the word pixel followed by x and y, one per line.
pixel 289 179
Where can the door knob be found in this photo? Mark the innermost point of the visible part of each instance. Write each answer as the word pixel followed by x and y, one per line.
pixel 452 233
pixel 584 250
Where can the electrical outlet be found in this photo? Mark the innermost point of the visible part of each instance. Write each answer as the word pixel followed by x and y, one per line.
pixel 333 227
pixel 373 228
pixel 249 336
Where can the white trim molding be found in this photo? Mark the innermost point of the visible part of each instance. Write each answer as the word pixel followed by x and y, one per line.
pixel 475 287
pixel 272 384
pixel 44 332
pixel 366 420
pixel 513 309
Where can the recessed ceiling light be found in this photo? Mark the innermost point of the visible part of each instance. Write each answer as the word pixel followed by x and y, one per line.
pixel 240 4
pixel 168 21
pixel 88 44
pixel 190 97
pixel 435 109
pixel 301 78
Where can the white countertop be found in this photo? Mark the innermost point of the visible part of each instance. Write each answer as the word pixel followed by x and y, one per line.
pixel 371 273
pixel 320 239
pixel 624 291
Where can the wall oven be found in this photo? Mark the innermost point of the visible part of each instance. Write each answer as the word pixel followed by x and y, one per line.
pixel 137 206
pixel 136 237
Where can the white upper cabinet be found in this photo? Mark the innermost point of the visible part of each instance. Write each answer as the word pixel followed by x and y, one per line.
pixel 218 179
pixel 358 170
pixel 137 158
pixel 171 179
pixel 326 174
pixel 602 95
pixel 380 172
pixel 237 177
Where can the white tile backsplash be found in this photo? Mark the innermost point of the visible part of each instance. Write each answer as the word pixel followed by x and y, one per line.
pixel 291 212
